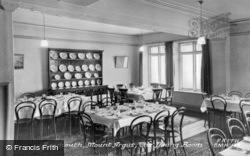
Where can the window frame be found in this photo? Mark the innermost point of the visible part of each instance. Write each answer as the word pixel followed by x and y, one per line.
pixel 159 62
pixel 194 53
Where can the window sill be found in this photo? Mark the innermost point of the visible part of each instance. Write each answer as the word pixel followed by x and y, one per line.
pixel 188 91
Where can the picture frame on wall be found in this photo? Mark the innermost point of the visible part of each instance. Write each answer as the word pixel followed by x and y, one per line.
pixel 18 61
pixel 121 61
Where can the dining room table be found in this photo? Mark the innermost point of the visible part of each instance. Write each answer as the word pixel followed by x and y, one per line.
pixel 141 93
pixel 61 100
pixel 241 148
pixel 117 117
pixel 232 104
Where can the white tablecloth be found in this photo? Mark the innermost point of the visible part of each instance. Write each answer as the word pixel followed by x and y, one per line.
pixel 62 105
pixel 241 148
pixel 232 105
pixel 105 117
pixel 142 94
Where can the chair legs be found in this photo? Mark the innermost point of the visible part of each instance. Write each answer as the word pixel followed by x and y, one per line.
pixel 31 131
pixel 54 125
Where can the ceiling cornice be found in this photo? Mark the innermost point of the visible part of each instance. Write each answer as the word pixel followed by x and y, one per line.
pixel 169 4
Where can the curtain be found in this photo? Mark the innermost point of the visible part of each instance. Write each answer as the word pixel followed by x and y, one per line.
pixel 206 80
pixel 169 63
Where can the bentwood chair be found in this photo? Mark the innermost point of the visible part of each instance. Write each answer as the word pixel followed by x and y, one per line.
pixel 91 134
pixel 123 96
pixel 169 91
pixel 88 105
pixel 157 134
pixel 98 94
pixel 156 95
pixel 216 136
pixel 218 110
pixel 28 95
pixel 235 128
pixel 247 95
pixel 235 93
pixel 106 102
pixel 175 128
pixel 245 112
pixel 140 122
pixel 74 107
pixel 47 109
pixel 91 105
pixel 111 94
pixel 25 116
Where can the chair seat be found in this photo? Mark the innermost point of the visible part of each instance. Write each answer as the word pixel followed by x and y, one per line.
pixel 72 113
pixel 21 121
pixel 136 140
pixel 159 133
pixel 45 117
pixel 169 128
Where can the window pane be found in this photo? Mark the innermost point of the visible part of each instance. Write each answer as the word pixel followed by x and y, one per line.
pixel 198 47
pixel 163 70
pixel 162 49
pixel 186 47
pixel 198 71
pixel 154 50
pixel 154 69
pixel 187 71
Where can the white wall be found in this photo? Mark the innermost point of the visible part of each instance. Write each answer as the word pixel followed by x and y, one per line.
pixel 34 76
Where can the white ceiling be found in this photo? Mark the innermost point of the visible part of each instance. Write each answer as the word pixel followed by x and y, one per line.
pixel 23 16
pixel 126 17
pixel 239 9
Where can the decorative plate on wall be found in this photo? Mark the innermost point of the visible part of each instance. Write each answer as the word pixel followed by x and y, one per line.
pixel 78 76
pixel 81 55
pixel 98 67
pixel 96 75
pixel 57 77
pixel 80 83
pixel 61 84
pixel 72 55
pixel 67 75
pixel 78 68
pixel 96 56
pixel 71 68
pixel 73 84
pixel 63 55
pixel 53 85
pixel 89 56
pixel 98 81
pixel 67 84
pixel 85 67
pixel 92 82
pixel 53 68
pixel 86 82
pixel 53 54
pixel 62 68
pixel 88 75
pixel 91 67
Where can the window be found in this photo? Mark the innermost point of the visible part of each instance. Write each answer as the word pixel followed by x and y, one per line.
pixel 190 55
pixel 157 64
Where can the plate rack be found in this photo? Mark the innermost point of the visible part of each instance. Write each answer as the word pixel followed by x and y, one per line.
pixel 74 70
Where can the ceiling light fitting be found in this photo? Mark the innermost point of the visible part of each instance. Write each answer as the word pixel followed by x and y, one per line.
pixel 141 49
pixel 201 40
pixel 44 42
